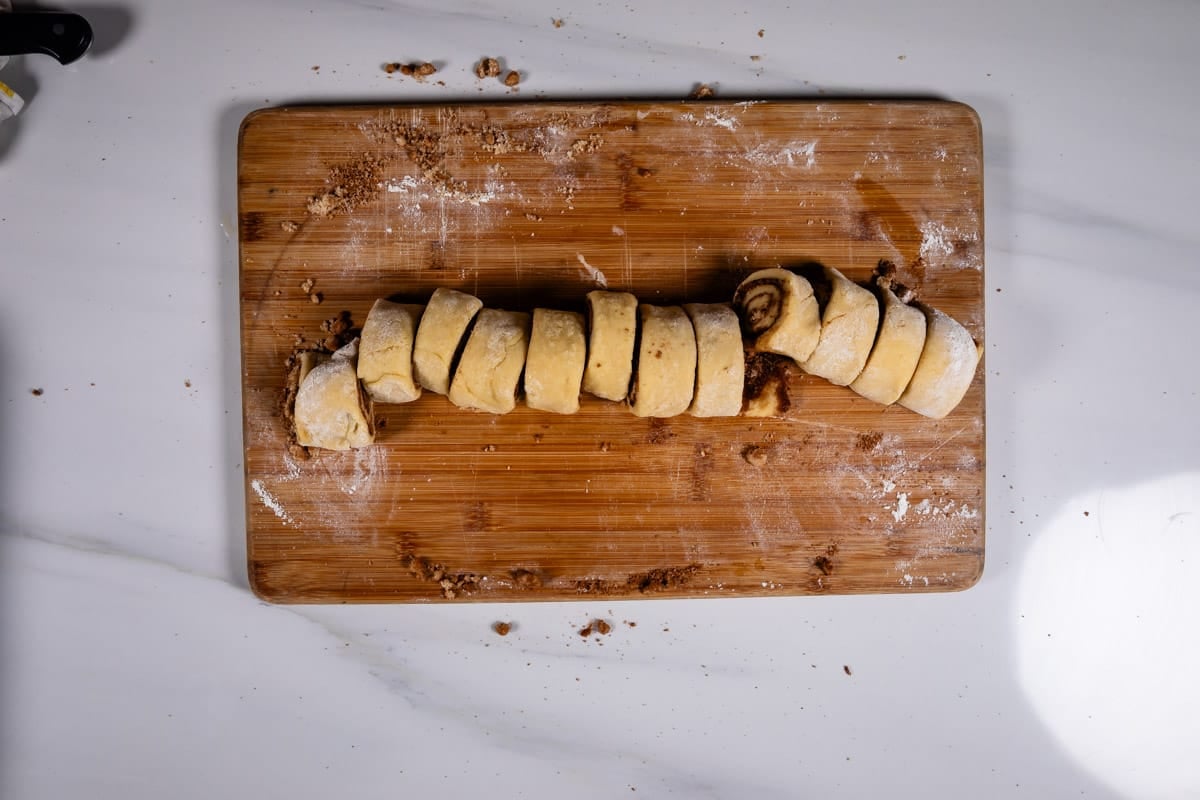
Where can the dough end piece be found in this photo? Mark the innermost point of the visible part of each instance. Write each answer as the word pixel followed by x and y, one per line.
pixel 946 368
pixel 331 410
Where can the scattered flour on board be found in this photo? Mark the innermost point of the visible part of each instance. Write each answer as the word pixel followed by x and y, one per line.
pixel 591 273
pixel 791 154
pixel 935 240
pixel 721 120
pixel 270 502
pixel 901 507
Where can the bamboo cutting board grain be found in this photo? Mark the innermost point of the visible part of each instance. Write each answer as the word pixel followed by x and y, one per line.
pixel 536 204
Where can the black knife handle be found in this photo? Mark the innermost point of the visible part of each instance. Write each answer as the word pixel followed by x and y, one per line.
pixel 65 37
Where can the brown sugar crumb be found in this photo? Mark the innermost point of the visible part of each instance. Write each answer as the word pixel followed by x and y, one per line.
pixel 452 584
pixel 393 66
pixel 307 285
pixel 317 298
pixel 526 579
pixel 591 144
pixel 288 226
pixel 512 78
pixel 38 392
pixel 846 669
pixel 662 579
pixel 488 448
pixel 424 69
pixel 316 68
pixel 754 455
pixel 868 441
pixel 756 58
pixel 557 22
pixel 761 31
pixel 187 383
pixel 631 623
pixel 600 626
pixel 1086 513
pixel 701 91
pixel 605 447
pixel 824 564
pixel 643 172
pixel 352 184
pixel 533 217
pixel 487 68
pixel 502 628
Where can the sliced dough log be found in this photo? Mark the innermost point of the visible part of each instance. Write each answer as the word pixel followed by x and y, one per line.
pixel 443 324
pixel 554 364
pixel 945 370
pixel 665 377
pixel 331 410
pixel 489 371
pixel 779 312
pixel 897 350
pixel 849 320
pixel 385 352
pixel 720 360
pixel 613 323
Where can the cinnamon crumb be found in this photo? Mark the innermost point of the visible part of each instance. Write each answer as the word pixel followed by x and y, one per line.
pixel 846 669
pixel 586 630
pixel 316 298
pixel 424 69
pixel 824 564
pixel 756 58
pixel 38 392
pixel 407 69
pixel 288 226
pixel 602 627
pixel 557 22
pixel 700 91
pixel 391 67
pixel 512 78
pixel 537 218
pixel 488 448
pixel 761 31
pixel 316 68
pixel 307 285
pixel 502 628
pixel 631 623
pixel 187 383
pixel 487 68
pixel 604 447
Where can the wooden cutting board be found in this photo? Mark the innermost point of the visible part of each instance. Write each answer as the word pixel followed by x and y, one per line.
pixel 526 204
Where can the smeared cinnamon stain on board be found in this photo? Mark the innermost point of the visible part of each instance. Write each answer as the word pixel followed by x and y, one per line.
pixel 882 216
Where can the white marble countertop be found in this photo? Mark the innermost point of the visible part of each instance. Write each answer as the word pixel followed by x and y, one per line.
pixel 134 662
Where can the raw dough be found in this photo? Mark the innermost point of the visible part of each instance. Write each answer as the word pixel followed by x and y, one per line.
pixel 779 312
pixel 489 371
pixel 720 360
pixel 946 368
pixel 385 352
pixel 613 322
pixel 849 320
pixel 443 324
pixel 554 365
pixel 331 410
pixel 897 350
pixel 666 370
